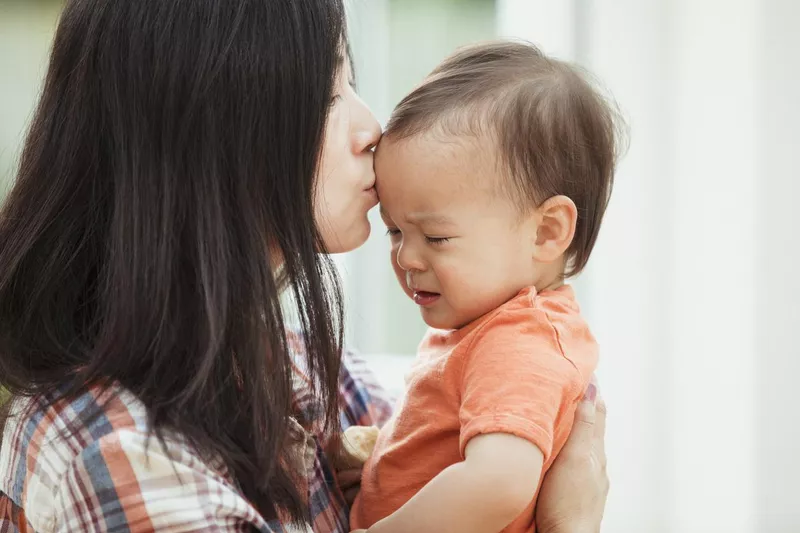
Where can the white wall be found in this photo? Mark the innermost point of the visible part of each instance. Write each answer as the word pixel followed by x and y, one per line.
pixel 777 268
pixel 693 290
pixel 25 34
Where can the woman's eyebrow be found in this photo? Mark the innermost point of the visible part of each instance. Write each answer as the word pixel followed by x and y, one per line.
pixel 341 63
pixel 351 79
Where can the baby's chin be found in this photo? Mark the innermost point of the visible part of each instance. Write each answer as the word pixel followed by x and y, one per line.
pixel 444 320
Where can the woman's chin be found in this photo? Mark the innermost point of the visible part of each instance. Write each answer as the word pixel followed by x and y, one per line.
pixel 353 239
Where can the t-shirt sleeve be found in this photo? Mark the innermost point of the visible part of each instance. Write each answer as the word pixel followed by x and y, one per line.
pixel 516 380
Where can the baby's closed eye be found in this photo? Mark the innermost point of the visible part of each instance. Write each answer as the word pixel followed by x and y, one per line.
pixel 394 233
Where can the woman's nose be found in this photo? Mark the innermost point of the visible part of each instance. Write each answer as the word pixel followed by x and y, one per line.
pixel 367 130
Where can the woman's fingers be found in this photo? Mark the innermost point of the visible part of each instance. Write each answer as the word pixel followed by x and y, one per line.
pixel 574 490
pixel 600 431
pixel 348 478
pixel 583 429
pixel 350 494
pixel 350 483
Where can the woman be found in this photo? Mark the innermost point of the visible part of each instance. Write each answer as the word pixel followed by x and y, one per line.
pixel 189 164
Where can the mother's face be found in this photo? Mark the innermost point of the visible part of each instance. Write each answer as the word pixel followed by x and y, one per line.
pixel 345 189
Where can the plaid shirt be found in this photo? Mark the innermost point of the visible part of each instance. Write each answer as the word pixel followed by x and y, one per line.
pixel 58 473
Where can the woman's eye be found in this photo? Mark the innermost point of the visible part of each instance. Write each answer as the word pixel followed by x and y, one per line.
pixel 437 240
pixel 392 232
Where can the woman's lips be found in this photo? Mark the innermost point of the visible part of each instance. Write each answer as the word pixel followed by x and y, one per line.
pixel 425 298
pixel 372 193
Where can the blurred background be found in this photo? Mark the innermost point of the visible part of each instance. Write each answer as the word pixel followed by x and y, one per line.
pixel 693 290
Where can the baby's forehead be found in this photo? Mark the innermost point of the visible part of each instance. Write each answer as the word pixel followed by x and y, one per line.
pixel 431 160
pixel 438 176
pixel 442 151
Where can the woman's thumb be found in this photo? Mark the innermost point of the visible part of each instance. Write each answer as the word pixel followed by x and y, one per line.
pixel 583 427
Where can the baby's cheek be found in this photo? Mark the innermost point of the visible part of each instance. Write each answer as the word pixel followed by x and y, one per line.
pixel 461 285
pixel 471 291
pixel 462 274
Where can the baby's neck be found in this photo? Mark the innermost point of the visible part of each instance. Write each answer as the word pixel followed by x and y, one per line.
pixel 551 286
pixel 549 278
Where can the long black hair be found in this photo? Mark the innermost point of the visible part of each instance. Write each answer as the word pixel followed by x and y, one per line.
pixel 163 203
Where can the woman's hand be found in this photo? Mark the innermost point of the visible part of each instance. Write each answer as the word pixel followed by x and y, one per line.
pixel 574 490
pixel 350 483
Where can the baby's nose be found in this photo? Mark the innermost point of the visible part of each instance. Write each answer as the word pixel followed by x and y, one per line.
pixel 409 260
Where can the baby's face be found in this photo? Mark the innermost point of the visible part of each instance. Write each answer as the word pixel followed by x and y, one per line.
pixel 459 248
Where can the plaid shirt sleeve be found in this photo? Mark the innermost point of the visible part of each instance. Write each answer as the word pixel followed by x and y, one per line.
pixel 110 476
pixel 118 484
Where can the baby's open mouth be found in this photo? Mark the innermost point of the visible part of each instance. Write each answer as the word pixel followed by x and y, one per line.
pixel 425 298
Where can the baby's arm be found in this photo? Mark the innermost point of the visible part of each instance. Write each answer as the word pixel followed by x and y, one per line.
pixel 482 494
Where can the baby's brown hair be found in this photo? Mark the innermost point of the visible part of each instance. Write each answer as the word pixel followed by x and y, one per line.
pixel 557 135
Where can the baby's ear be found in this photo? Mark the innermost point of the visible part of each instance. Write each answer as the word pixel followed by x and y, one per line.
pixel 557 218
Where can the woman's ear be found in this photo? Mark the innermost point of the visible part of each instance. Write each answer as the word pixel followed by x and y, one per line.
pixel 557 218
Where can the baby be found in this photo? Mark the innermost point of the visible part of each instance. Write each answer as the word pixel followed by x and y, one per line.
pixel 494 176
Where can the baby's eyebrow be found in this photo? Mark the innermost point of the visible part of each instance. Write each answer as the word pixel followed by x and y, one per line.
pixel 420 218
pixel 432 218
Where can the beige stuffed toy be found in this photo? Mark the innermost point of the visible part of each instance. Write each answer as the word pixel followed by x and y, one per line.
pixel 357 445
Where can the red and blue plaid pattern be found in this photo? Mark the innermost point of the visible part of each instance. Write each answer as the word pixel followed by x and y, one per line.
pixel 60 471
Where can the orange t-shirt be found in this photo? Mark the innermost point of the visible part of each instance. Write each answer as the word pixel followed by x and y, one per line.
pixel 520 369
